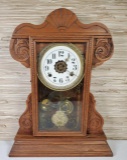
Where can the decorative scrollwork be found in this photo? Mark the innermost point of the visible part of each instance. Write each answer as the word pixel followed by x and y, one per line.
pixel 95 124
pixel 25 120
pixel 20 51
pixel 103 51
pixel 95 120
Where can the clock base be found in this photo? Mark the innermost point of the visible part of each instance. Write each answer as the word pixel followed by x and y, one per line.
pixel 90 146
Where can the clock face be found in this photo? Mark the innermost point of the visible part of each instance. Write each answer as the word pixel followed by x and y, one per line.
pixel 60 66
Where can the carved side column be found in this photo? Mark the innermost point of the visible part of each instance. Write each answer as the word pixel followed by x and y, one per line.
pixel 95 120
pixel 25 120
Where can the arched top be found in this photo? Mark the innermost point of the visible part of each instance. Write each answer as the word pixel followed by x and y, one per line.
pixel 61 20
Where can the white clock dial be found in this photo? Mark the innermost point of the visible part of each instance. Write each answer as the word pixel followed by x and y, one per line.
pixel 60 66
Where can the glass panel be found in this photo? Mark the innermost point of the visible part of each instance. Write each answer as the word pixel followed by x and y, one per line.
pixel 59 111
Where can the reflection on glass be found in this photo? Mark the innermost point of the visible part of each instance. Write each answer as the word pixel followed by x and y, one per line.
pixel 60 111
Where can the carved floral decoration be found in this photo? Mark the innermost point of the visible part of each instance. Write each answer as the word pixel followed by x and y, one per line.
pixel 103 51
pixel 20 51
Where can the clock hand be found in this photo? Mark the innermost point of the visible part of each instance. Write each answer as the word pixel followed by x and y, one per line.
pixel 67 59
pixel 72 73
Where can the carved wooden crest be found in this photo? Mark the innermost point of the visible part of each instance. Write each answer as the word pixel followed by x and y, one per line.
pixel 62 22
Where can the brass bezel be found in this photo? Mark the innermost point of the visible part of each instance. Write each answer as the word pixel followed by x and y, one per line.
pixel 78 80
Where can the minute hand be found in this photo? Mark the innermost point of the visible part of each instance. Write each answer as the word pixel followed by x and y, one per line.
pixel 67 59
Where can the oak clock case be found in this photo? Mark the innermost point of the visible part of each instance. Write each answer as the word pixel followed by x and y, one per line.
pixel 60 68
pixel 61 117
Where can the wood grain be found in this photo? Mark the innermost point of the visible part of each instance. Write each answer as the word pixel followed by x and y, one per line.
pixel 109 81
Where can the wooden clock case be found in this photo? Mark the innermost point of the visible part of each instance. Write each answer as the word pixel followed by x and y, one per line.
pixel 61 26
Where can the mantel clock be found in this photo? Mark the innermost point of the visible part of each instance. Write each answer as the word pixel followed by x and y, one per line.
pixel 60 118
